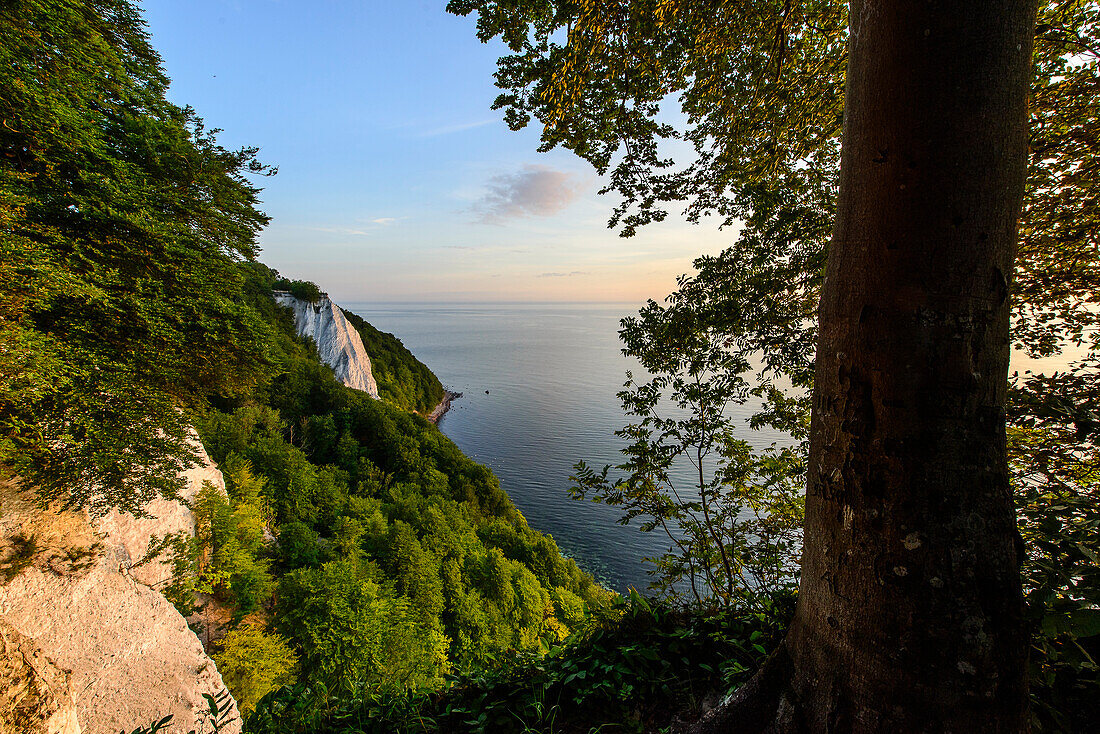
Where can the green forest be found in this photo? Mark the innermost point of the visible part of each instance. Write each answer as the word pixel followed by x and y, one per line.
pixel 398 559
pixel 402 379
pixel 362 575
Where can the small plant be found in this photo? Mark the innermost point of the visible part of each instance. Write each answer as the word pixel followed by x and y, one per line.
pixel 217 716
pixel 732 512
pixel 18 556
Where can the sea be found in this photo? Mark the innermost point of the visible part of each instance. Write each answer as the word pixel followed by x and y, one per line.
pixel 539 385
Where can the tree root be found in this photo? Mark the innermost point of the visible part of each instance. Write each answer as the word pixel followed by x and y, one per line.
pixel 764 705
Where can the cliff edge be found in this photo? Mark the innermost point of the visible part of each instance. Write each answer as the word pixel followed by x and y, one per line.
pixel 338 343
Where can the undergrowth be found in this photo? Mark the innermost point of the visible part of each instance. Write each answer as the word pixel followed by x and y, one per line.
pixel 652 666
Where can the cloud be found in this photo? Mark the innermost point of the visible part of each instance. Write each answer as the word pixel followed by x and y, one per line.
pixel 362 230
pixel 561 275
pixel 485 248
pixel 341 230
pixel 456 128
pixel 535 191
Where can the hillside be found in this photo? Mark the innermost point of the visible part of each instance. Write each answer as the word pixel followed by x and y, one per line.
pixel 355 547
pixel 402 378
pixel 396 560
pixel 396 375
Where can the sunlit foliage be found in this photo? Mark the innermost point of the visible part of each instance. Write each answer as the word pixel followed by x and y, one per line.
pixel 394 559
pixel 643 672
pixel 253 662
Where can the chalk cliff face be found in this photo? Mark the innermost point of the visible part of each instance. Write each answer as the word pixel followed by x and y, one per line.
pixel 36 697
pixel 338 343
pixel 128 537
pixel 86 644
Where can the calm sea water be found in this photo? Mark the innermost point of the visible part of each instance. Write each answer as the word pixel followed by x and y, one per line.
pixel 539 386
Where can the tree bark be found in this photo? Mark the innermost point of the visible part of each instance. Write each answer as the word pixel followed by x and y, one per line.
pixel 910 614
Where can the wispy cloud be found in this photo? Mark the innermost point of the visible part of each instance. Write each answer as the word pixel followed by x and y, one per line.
pixel 561 275
pixel 361 227
pixel 534 191
pixel 456 128
pixel 485 248
pixel 342 230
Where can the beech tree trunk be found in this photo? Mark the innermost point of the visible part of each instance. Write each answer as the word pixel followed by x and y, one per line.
pixel 910 614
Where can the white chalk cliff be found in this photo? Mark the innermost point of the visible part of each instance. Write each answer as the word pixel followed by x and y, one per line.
pixel 338 343
pixel 88 645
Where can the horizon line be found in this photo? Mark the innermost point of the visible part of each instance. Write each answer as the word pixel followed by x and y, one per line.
pixel 495 303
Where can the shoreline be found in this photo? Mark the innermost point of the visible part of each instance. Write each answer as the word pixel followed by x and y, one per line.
pixel 444 405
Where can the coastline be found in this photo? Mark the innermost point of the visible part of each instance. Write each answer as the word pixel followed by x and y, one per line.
pixel 444 405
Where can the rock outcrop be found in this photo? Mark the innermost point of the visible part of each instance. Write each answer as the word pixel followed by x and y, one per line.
pixel 338 343
pixel 129 537
pixel 36 696
pixel 86 645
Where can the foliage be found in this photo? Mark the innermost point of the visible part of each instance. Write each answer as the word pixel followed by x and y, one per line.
pixel 402 378
pixel 741 331
pixel 301 289
pixel 1055 281
pixel 759 85
pixel 1056 477
pixel 637 673
pixel 396 559
pixel 734 526
pixel 229 537
pixel 225 555
pixel 183 554
pixel 253 662
pixel 216 716
pixel 354 634
pixel 122 219
pixel 1053 419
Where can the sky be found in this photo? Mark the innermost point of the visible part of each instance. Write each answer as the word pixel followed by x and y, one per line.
pixel 397 182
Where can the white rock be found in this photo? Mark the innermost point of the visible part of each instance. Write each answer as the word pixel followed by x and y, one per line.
pixel 128 537
pixel 129 656
pixel 338 343
pixel 36 696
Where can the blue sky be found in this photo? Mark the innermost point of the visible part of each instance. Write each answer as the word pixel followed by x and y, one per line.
pixel 396 181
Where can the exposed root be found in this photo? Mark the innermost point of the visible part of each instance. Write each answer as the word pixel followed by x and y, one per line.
pixel 764 705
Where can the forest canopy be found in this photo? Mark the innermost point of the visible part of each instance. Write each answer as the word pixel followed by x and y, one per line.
pixel 123 220
pixel 398 559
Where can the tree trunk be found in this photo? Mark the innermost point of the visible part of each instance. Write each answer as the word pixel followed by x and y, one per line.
pixel 910 614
